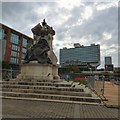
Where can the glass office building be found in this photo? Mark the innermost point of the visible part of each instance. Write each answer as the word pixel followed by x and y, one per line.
pixel 108 60
pixel 108 63
pixel 79 55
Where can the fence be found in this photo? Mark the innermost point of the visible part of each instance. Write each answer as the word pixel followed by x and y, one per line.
pixel 95 82
pixel 9 73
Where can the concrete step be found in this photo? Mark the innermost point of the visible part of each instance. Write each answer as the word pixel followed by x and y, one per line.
pixel 35 80
pixel 51 96
pixel 51 100
pixel 63 84
pixel 47 92
pixel 43 87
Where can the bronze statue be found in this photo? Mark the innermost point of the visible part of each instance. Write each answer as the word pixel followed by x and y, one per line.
pixel 39 50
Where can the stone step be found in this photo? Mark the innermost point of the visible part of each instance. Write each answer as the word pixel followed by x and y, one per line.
pixel 47 92
pixel 36 80
pixel 51 100
pixel 43 87
pixel 37 83
pixel 53 97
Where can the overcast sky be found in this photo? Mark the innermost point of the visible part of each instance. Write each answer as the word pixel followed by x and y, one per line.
pixel 73 21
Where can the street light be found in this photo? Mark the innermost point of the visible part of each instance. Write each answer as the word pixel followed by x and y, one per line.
pixel 11 72
pixel 90 71
pixel 103 80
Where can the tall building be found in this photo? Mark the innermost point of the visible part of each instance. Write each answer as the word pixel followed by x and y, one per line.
pixel 81 55
pixel 14 45
pixel 108 60
pixel 108 63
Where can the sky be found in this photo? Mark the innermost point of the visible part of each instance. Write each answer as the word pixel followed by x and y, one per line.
pixel 74 21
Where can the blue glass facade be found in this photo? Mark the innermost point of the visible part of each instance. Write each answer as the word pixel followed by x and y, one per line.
pixel 108 60
pixel 88 54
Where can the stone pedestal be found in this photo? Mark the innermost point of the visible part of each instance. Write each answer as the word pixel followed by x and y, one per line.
pixel 55 72
pixel 39 71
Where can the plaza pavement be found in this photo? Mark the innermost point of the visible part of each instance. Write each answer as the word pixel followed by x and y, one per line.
pixel 111 93
pixel 37 109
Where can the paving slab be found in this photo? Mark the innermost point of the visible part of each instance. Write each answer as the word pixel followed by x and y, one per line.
pixel 110 93
pixel 39 109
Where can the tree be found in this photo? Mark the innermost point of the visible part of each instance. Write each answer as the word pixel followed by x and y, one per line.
pixel 73 69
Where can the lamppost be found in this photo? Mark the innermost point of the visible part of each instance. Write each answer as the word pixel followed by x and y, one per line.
pixel 90 71
pixel 11 72
pixel 103 80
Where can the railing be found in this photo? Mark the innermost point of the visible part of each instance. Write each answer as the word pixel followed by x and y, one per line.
pixel 9 73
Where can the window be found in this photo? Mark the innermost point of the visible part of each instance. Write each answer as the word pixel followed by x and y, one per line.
pixel 25 42
pixel 2 33
pixel 2 42
pixel 22 61
pixel 15 47
pixel 18 48
pixel 23 56
pixel 3 48
pixel 17 60
pixel 24 50
pixel 14 38
pixel 14 54
pixel 13 60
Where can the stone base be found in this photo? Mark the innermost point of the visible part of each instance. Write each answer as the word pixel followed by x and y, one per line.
pixel 38 71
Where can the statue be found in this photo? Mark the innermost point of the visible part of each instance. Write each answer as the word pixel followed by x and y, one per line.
pixel 39 51
pixel 40 60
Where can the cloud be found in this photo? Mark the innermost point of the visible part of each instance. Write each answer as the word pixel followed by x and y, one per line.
pixel 107 36
pixel 87 13
pixel 84 23
pixel 103 6
pixel 68 4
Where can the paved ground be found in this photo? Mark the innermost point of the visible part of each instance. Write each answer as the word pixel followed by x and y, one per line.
pixel 110 92
pixel 37 109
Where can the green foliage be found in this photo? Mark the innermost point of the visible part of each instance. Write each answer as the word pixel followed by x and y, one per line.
pixel 73 69
pixel 63 70
pixel 84 82
pixel 69 69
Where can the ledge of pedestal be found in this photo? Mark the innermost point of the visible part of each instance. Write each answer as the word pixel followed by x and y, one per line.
pixel 38 71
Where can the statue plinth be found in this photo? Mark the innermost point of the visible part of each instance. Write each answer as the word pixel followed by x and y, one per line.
pixel 38 71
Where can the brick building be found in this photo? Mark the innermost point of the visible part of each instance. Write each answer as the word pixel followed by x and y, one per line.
pixel 14 45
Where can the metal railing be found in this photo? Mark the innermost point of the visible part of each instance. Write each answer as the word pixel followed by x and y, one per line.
pixel 9 73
